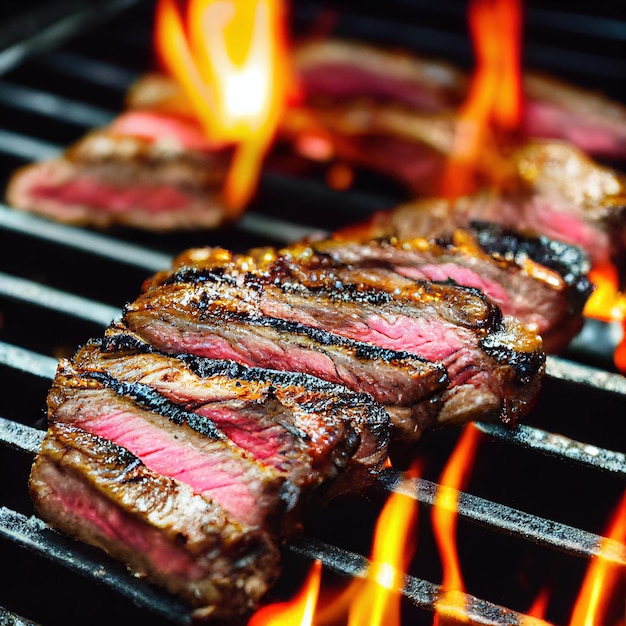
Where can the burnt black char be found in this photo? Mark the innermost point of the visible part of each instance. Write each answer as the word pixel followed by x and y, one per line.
pixel 270 311
pixel 193 471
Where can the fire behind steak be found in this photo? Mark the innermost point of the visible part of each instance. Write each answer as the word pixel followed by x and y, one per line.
pixel 431 353
pixel 192 471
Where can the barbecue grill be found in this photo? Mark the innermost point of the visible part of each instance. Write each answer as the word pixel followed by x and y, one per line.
pixel 539 498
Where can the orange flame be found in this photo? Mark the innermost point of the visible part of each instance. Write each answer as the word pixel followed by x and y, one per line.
pixel 377 602
pixel 495 94
pixel 230 59
pixel 602 576
pixel 608 304
pixel 539 607
pixel 444 516
pixel 297 612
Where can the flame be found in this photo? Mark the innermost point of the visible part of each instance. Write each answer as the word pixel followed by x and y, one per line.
pixel 298 611
pixel 495 94
pixel 608 304
pixel 230 59
pixel 602 576
pixel 444 517
pixel 377 603
pixel 375 600
pixel 539 607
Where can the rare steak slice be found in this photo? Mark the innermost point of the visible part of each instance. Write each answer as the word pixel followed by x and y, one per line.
pixel 216 304
pixel 335 72
pixel 541 282
pixel 98 492
pixel 145 170
pixel 193 471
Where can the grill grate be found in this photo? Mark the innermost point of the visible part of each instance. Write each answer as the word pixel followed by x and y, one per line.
pixel 49 101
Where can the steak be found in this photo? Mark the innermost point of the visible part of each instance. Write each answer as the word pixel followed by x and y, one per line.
pixel 144 170
pixel 99 493
pixel 335 72
pixel 278 312
pixel 541 282
pixel 193 471
pixel 557 193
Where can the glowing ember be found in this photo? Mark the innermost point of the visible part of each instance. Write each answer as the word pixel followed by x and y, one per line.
pixel 494 98
pixel 297 612
pixel 444 516
pixel 602 576
pixel 230 59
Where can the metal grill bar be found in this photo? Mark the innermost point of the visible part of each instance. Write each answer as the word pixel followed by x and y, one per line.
pixel 20 437
pixel 56 33
pixel 563 369
pixel 83 240
pixel 511 521
pixel 60 301
pixel 26 148
pixel 27 361
pixel 557 445
pixel 90 70
pixel 35 535
pixel 51 105
pixel 11 619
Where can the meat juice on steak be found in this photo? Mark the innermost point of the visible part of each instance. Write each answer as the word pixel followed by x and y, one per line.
pixel 193 472
pixel 219 305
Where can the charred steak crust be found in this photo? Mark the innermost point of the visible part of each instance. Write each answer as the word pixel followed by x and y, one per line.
pixel 571 262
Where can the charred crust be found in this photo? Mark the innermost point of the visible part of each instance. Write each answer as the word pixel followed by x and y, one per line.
pixel 570 262
pixel 525 366
pixel 147 398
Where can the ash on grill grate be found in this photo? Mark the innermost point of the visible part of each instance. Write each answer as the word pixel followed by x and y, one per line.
pixel 533 484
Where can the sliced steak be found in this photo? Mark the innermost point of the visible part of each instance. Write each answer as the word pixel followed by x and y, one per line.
pixel 98 492
pixel 257 312
pixel 191 470
pixel 305 428
pixel 335 72
pixel 557 193
pixel 541 282
pixel 145 170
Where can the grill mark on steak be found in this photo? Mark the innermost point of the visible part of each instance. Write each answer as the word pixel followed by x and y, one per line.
pixel 542 282
pixel 329 424
pixel 395 378
pixel 147 398
pixel 250 491
pixel 103 495
pixel 184 309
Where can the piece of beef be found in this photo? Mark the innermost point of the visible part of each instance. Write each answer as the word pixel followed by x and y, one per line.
pixel 145 170
pixel 557 193
pixel 98 492
pixel 192 471
pixel 541 282
pixel 259 311
pixel 336 72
